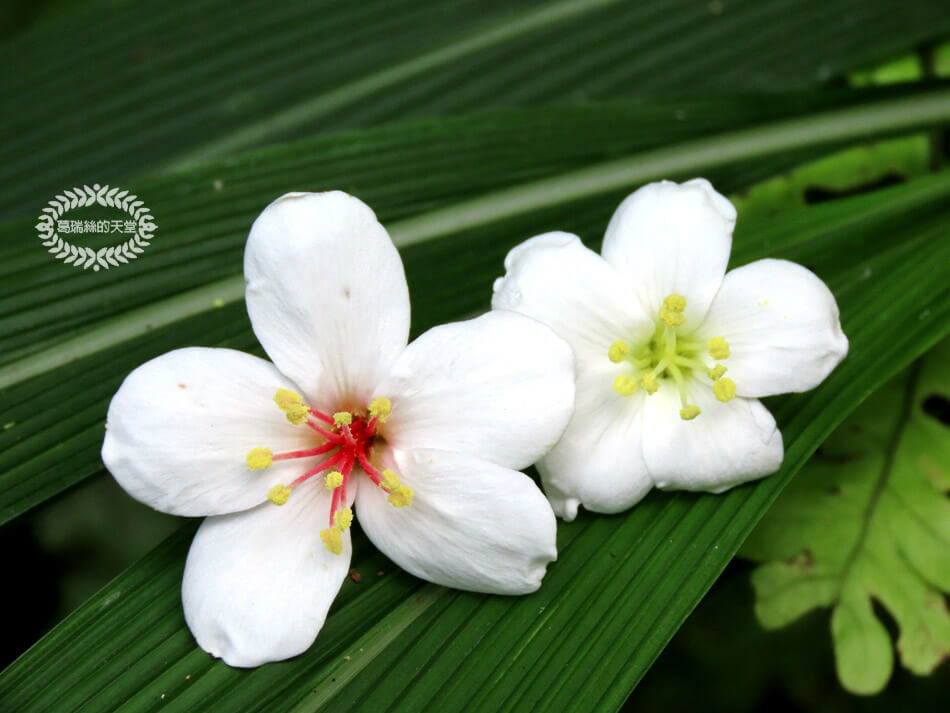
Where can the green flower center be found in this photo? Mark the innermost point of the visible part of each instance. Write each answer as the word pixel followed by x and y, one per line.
pixel 670 355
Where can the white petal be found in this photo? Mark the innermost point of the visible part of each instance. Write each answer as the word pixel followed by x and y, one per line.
pixel 326 294
pixel 258 584
pixel 782 325
pixel 500 386
pixel 179 429
pixel 471 525
pixel 598 463
pixel 556 280
pixel 727 444
pixel 672 239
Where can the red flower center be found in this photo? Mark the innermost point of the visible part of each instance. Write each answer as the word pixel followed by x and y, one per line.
pixel 348 440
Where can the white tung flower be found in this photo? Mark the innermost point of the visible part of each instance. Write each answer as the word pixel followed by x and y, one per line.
pixel 672 352
pixel 426 439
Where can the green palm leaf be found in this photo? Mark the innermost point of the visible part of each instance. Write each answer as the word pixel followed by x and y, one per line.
pixel 46 450
pixel 158 90
pixel 621 586
pixel 110 91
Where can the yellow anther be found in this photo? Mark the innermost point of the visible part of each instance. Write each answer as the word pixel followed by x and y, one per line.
pixel 625 385
pixel 343 518
pixel 401 496
pixel 716 372
pixel 259 458
pixel 285 398
pixel 342 418
pixel 719 348
pixel 675 303
pixel 672 310
pixel 381 408
pixel 618 350
pixel 725 389
pixel 689 412
pixel 297 414
pixel 390 479
pixel 649 383
pixel 670 318
pixel 279 494
pixel 333 480
pixel 332 540
pixel 291 403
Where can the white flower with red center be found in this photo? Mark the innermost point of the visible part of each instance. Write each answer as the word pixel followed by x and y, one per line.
pixel 425 440
pixel 656 325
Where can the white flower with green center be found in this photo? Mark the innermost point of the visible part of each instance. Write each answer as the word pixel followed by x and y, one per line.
pixel 672 352
pixel 425 439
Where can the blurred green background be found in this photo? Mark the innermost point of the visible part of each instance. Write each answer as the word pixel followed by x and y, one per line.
pixel 61 552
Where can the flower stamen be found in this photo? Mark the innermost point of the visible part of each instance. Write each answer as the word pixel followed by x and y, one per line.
pixel 343 518
pixel 259 458
pixel 724 389
pixel 329 435
pixel 390 479
pixel 667 354
pixel 285 399
pixel 718 348
pixel 380 409
pixel 671 313
pixel 332 539
pixel 291 403
pixel 689 412
pixel 649 380
pixel 320 415
pixel 689 362
pixel 323 465
pixel 349 437
pixel 401 497
pixel 342 418
pixel 716 372
pixel 649 384
pixel 618 351
pixel 625 385
pixel 279 494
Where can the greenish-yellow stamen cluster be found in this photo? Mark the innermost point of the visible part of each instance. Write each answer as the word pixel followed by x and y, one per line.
pixel 668 354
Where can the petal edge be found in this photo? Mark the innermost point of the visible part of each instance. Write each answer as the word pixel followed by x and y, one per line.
pixel 258 585
pixel 326 294
pixel 671 238
pixel 180 426
pixel 782 325
pixel 472 525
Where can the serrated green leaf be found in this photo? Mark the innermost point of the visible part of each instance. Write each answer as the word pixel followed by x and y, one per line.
pixel 869 518
pixel 620 588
